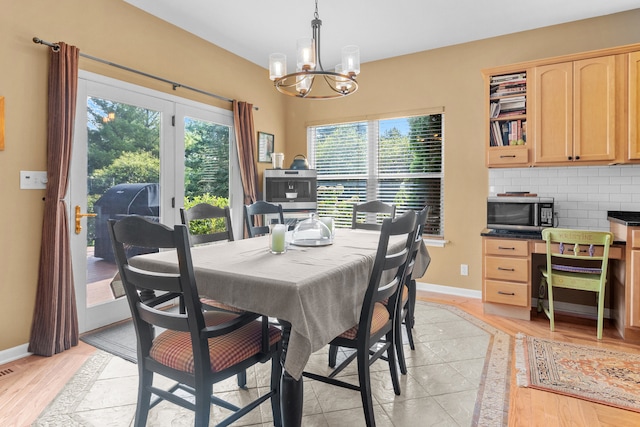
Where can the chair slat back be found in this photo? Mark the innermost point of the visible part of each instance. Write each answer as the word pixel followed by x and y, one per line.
pixel 389 266
pixel 577 244
pixel 363 212
pixel 254 214
pixel 205 212
pixel 566 246
pixel 147 289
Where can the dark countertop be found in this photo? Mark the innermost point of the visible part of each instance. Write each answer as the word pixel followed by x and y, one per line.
pixel 630 219
pixel 512 234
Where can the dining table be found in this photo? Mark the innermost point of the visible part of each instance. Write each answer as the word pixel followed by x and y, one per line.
pixel 315 292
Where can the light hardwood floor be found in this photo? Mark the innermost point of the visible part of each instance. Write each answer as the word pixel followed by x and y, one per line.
pixel 35 381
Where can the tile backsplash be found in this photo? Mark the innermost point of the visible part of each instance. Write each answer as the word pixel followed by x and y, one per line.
pixel 582 194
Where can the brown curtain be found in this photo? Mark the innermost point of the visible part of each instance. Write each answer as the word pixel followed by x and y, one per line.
pixel 246 142
pixel 55 317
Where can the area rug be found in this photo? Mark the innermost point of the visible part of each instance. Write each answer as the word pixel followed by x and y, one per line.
pixel 118 339
pixel 596 374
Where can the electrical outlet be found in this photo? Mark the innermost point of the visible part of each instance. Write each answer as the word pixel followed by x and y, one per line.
pixel 464 270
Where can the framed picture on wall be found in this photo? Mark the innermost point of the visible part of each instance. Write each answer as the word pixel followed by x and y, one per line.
pixel 265 146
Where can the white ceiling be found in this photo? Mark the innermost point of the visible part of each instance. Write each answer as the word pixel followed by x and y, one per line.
pixel 382 29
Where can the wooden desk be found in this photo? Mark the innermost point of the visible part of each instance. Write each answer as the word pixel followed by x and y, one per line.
pixel 510 276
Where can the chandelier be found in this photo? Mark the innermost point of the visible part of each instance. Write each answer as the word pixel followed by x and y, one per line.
pixel 311 80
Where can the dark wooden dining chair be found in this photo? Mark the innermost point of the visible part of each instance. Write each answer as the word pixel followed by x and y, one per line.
pixel 376 324
pixel 205 217
pixel 258 227
pixel 407 302
pixel 203 222
pixel 368 215
pixel 198 348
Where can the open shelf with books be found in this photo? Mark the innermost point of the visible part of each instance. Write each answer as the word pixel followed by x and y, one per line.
pixel 507 124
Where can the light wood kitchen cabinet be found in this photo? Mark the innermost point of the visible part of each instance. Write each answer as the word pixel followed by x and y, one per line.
pixel 506 284
pixel 633 146
pixel 574 112
pixel 507 95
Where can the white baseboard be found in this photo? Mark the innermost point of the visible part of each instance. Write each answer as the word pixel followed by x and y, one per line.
pixel 15 353
pixel 448 290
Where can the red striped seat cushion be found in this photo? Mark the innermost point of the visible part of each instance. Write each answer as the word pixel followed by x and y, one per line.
pixel 173 348
pixel 379 319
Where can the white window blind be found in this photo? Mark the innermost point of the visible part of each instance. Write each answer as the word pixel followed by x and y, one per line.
pixel 395 160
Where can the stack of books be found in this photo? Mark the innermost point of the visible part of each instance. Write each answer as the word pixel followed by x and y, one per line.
pixel 508 84
pixel 513 132
pixel 508 93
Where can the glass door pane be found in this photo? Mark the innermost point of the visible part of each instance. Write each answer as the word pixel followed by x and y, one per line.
pixel 123 178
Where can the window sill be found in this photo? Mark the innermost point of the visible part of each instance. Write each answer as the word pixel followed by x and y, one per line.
pixel 438 243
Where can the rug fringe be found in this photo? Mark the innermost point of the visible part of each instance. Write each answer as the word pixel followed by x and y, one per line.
pixel 521 361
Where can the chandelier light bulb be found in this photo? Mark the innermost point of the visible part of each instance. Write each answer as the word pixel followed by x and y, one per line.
pixel 351 59
pixel 343 84
pixel 306 55
pixel 277 65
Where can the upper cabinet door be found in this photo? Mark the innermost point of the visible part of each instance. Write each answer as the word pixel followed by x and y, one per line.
pixel 575 112
pixel 594 109
pixel 634 106
pixel 553 113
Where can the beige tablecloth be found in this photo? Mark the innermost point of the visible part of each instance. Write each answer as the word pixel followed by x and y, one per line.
pixel 319 290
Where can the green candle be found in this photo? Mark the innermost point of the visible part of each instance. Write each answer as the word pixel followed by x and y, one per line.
pixel 277 238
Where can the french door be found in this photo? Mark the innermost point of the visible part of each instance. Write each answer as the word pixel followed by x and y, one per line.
pixel 138 152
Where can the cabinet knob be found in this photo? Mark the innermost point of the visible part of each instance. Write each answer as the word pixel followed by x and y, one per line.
pixel 577 157
pixel 570 158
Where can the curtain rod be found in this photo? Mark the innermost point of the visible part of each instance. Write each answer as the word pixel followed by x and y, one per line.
pixel 175 85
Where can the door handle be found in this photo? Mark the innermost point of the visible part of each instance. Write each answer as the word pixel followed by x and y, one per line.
pixel 79 216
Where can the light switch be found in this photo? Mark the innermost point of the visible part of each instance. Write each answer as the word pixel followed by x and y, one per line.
pixel 33 180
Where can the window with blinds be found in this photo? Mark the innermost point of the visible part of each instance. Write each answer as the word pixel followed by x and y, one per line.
pixel 396 161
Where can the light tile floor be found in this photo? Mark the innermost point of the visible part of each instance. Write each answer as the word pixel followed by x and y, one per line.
pixel 441 388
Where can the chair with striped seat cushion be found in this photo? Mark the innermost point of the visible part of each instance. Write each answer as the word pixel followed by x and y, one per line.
pixel 199 348
pixel 210 224
pixel 372 337
pixel 576 259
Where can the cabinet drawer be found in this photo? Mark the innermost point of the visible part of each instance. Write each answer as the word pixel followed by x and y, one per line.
pixel 635 238
pixel 506 293
pixel 506 247
pixel 512 155
pixel 504 268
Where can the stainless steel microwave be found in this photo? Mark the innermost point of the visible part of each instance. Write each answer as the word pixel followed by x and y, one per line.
pixel 519 213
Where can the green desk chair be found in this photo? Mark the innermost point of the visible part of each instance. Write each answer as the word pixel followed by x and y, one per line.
pixel 568 251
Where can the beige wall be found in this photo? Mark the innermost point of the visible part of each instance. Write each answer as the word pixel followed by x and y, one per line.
pixel 113 30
